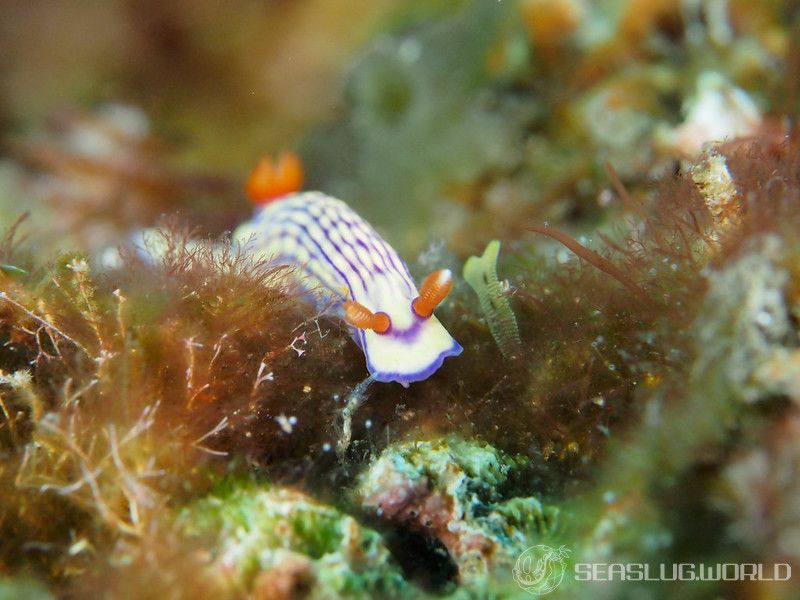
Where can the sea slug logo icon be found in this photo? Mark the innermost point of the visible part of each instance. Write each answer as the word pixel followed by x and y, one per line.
pixel 540 569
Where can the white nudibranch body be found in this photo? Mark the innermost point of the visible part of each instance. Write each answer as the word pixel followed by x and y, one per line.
pixel 343 261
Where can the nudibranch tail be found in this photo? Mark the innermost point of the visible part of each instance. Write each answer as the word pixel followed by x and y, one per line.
pixel 361 317
pixel 432 291
pixel 275 179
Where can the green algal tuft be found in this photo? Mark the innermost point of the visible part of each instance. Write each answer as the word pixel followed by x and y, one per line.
pixel 480 272
pixel 267 537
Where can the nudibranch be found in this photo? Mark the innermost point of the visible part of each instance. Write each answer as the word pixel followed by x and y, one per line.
pixel 343 262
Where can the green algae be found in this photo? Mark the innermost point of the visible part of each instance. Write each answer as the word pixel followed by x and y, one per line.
pixel 480 272
pixel 261 528
pixel 421 104
pixel 19 589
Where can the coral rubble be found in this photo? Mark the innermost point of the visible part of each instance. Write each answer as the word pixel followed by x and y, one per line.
pixel 450 490
pixel 279 544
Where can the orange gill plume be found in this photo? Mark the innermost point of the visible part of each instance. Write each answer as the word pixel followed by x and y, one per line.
pixel 273 179
pixel 432 291
pixel 360 316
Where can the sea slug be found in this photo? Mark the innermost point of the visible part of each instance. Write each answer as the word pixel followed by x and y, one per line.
pixel 345 264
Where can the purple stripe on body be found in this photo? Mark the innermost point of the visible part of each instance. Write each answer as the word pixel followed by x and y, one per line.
pixel 377 267
pixel 340 213
pixel 346 233
pixel 381 247
pixel 313 258
pixel 354 268
pixel 387 254
pixel 323 256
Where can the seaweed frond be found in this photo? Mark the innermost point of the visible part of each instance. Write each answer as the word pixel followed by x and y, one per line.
pixel 480 272
pixel 590 256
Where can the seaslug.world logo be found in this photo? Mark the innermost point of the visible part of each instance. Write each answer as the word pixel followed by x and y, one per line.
pixel 540 569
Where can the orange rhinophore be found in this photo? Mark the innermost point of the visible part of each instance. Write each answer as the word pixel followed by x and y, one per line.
pixel 360 316
pixel 432 291
pixel 274 179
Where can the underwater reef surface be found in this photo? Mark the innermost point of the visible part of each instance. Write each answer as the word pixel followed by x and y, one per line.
pixel 617 181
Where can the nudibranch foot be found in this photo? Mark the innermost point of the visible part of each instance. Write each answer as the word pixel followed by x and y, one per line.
pixel 404 378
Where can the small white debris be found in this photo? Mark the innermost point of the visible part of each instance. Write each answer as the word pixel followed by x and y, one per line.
pixel 764 318
pixel 17 379
pixel 286 423
pixel 300 338
pixel 78 265
pixel 409 50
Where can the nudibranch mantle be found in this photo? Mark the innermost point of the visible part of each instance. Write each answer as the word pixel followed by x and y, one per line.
pixel 341 258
